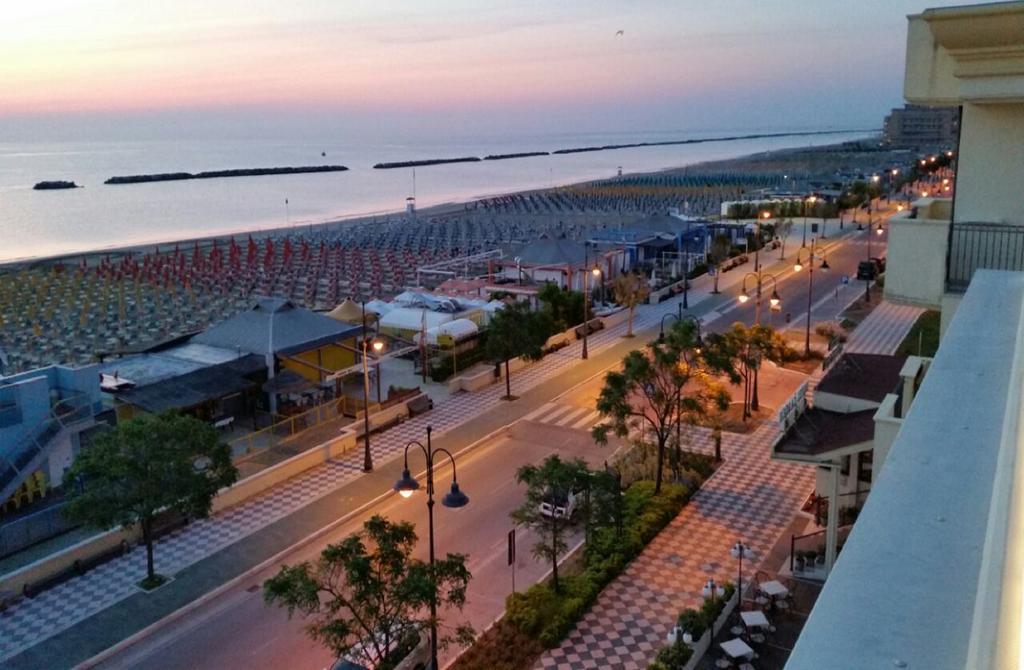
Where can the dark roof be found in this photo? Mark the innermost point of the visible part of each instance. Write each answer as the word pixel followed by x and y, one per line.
pixel 819 431
pixel 659 243
pixel 293 329
pixel 196 387
pixel 865 376
pixel 549 251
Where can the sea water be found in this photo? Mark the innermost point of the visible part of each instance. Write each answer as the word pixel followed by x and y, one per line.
pixel 96 216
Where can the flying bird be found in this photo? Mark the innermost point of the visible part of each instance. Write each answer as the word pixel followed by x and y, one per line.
pixel 620 33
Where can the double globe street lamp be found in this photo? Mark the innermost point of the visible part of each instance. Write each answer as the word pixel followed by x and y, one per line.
pixel 454 499
pixel 774 301
pixel 811 256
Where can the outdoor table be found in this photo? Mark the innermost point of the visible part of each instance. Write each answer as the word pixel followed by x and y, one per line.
pixel 736 648
pixel 775 589
pixel 754 619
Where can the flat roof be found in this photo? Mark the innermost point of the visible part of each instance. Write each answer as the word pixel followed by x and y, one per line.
pixel 819 431
pixel 196 387
pixel 905 588
pixel 863 376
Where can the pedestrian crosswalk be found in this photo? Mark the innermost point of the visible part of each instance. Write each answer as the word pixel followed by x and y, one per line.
pixel 565 415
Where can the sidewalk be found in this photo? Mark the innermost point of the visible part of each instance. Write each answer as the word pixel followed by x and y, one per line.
pixel 750 498
pixel 62 623
pixel 883 330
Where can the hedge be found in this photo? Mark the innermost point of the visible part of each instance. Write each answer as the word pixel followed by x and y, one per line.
pixel 548 616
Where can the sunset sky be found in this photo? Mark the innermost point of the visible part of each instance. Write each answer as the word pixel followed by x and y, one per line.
pixel 423 65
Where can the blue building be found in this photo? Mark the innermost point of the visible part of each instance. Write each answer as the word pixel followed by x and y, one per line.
pixel 42 416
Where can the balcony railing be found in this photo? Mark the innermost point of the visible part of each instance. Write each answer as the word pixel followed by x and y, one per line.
pixel 982 246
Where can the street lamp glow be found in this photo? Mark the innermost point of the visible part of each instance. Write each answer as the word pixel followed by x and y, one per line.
pixel 949 154
pixel 932 159
pixel 813 199
pixel 945 181
pixel 899 208
pixel 895 172
pixel 879 229
pixel 775 300
pixel 378 345
pixel 407 485
pixel 924 162
pixel 798 266
pixel 924 194
pixel 743 297
pixel 766 215
pixel 875 178
pixel 597 272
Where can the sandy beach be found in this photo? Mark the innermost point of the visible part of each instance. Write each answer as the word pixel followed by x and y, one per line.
pixel 77 307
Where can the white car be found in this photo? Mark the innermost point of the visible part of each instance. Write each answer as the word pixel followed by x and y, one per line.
pixel 559 505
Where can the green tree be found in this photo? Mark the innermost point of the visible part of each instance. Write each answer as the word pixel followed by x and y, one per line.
pixel 782 229
pixel 748 347
pixel 516 330
pixel 648 392
pixel 630 289
pixel 563 307
pixel 366 596
pixel 145 465
pixel 719 251
pixel 552 480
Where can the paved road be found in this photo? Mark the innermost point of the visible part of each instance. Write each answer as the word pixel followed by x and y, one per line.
pixel 238 630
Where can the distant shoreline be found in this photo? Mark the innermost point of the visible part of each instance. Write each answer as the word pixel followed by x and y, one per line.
pixel 355 219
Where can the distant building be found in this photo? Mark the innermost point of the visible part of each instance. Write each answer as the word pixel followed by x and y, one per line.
pixel 918 126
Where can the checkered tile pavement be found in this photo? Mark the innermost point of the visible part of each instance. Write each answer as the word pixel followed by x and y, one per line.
pixel 884 329
pixel 751 498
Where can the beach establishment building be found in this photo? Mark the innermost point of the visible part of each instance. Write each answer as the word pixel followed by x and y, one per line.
pixel 932 574
pixel 656 239
pixel 563 262
pixel 44 414
pixel 412 313
pixel 271 350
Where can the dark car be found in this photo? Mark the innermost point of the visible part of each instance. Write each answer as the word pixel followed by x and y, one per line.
pixel 871 268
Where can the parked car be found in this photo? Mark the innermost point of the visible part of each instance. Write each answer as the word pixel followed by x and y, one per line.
pixel 871 268
pixel 559 505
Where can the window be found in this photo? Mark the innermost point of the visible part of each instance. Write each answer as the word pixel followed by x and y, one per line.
pixel 865 464
pixel 844 469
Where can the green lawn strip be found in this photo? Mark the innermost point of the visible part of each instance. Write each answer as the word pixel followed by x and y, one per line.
pixel 924 333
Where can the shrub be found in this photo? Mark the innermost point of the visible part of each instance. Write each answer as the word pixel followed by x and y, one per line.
pixel 672 657
pixel 547 616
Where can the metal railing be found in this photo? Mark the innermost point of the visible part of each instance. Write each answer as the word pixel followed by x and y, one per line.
pixel 283 427
pixel 63 413
pixel 982 246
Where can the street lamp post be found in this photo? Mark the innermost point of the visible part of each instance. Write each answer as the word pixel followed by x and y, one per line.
pixel 740 551
pixel 811 257
pixel 812 199
pixel 586 299
pixel 377 346
pixel 455 498
pixel 867 276
pixel 774 301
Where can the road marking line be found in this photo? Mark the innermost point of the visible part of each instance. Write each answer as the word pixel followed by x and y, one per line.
pixel 543 409
pixel 572 416
pixel 587 420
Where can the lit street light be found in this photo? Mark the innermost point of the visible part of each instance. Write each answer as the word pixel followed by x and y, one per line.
pixel 811 200
pixel 377 346
pixel 454 499
pixel 798 266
